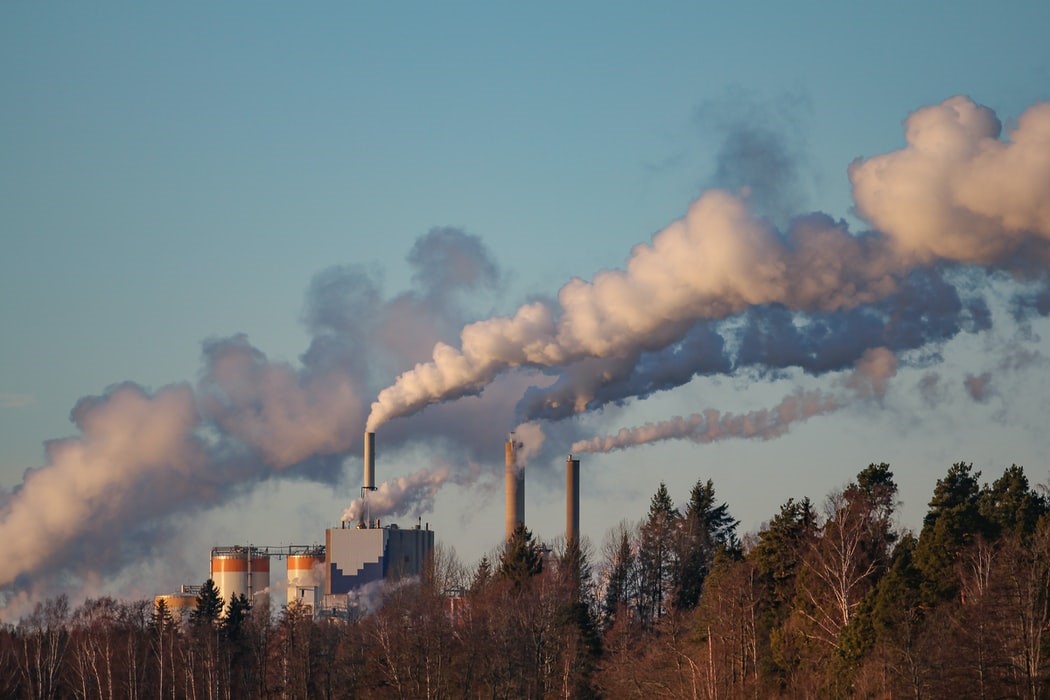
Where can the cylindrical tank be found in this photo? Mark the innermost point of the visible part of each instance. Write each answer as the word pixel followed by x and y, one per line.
pixel 514 485
pixel 369 481
pixel 572 500
pixel 305 578
pixel 179 604
pixel 240 570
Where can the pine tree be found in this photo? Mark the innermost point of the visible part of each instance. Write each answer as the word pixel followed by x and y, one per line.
pixel 236 614
pixel 707 528
pixel 656 556
pixel 161 617
pixel 953 521
pixel 209 606
pixel 482 575
pixel 522 558
pixel 780 547
pixel 1009 506
pixel 575 616
pixel 620 575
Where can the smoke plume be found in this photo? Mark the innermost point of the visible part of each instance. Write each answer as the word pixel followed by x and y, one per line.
pixel 712 425
pixel 106 498
pixel 868 381
pixel 406 495
pixel 954 195
pixel 721 290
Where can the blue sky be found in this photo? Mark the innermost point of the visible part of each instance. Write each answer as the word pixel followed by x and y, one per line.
pixel 169 176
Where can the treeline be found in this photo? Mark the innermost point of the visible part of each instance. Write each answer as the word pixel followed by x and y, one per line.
pixel 822 602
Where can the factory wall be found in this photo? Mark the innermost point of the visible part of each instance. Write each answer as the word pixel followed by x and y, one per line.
pixel 359 556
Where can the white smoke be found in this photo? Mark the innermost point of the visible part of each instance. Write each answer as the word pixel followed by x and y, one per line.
pixel 405 495
pixel 712 425
pixel 136 458
pixel 868 381
pixel 955 193
pixel 108 498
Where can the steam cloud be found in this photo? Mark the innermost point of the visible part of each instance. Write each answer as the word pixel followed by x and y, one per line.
pixel 711 425
pixel 406 495
pixel 717 291
pixel 105 498
pixel 955 195
pixel 868 381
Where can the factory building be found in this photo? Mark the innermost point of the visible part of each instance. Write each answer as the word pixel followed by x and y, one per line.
pixel 356 556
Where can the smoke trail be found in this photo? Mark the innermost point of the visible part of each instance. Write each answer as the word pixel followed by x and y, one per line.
pixel 926 309
pixel 956 194
pixel 406 495
pixel 868 381
pixel 105 499
pixel 711 425
pixel 136 457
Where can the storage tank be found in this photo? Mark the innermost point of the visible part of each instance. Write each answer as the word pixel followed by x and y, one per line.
pixel 306 578
pixel 238 570
pixel 181 605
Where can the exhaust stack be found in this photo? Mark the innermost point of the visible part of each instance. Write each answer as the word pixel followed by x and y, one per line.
pixel 572 500
pixel 514 483
pixel 369 482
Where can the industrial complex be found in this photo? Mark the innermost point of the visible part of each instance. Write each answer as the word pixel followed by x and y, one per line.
pixel 326 578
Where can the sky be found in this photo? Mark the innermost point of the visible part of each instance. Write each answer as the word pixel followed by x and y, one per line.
pixel 780 241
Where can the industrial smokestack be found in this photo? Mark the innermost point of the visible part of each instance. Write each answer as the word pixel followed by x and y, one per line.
pixel 515 486
pixel 369 482
pixel 572 500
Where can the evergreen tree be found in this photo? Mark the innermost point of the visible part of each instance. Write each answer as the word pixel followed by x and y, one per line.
pixel 706 528
pixel 209 606
pixel 236 614
pixel 953 521
pixel 657 560
pixel 777 560
pixel 161 618
pixel 620 573
pixel 482 575
pixel 1009 506
pixel 522 558
pixel 576 613
pixel 780 547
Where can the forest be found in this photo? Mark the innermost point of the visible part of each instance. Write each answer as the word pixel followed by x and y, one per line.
pixel 828 600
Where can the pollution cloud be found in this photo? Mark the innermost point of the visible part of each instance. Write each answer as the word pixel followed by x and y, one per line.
pixel 104 498
pixel 719 291
pixel 868 381
pixel 955 195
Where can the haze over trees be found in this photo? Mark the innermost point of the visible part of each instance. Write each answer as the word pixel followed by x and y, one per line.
pixel 826 600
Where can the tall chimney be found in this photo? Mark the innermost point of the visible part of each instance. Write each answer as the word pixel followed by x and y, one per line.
pixel 514 483
pixel 572 500
pixel 370 462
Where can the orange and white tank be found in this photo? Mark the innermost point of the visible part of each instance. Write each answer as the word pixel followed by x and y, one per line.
pixel 240 570
pixel 305 578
